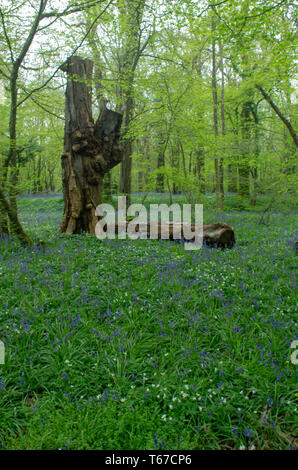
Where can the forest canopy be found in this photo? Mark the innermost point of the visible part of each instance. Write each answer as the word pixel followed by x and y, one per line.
pixel 206 90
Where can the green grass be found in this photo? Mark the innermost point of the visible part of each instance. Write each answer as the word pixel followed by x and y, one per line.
pixel 143 345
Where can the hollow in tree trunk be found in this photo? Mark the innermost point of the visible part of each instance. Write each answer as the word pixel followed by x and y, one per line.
pixel 90 149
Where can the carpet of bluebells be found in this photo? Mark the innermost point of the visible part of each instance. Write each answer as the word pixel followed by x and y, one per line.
pixel 143 345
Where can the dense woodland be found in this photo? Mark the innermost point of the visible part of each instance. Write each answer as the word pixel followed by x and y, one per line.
pixel 206 90
pixel 139 343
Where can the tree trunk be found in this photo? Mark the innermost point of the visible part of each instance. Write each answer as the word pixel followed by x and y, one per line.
pixel 232 178
pixel 10 208
pixel 130 20
pixel 126 164
pixel 125 173
pixel 199 169
pixel 90 150
pixel 223 129
pixel 39 183
pixel 220 235
pixel 218 162
pixel 233 161
pixel 12 156
pixel 243 168
pixel 160 165
pixel 254 167
pixel 15 224
pixel 3 220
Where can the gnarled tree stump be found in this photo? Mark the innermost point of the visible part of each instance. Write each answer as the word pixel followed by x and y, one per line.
pixel 90 149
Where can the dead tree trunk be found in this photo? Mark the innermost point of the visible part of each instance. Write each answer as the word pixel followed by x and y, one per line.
pixel 219 235
pixel 90 149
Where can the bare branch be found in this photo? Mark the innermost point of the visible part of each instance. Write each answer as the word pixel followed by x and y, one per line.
pixel 73 53
pixel 266 10
pixel 165 59
pixel 46 109
pixel 30 37
pixel 6 35
pixel 279 114
pixel 68 11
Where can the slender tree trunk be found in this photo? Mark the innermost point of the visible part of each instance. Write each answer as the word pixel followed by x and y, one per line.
pixel 232 178
pixel 51 173
pixel 126 164
pixel 245 145
pixel 39 183
pixel 223 128
pixel 234 156
pixel 90 150
pixel 15 224
pixel 130 18
pixel 254 167
pixel 160 176
pixel 10 208
pixel 190 163
pixel 199 169
pixel 199 163
pixel 13 139
pixel 160 179
pixel 217 163
pixel 162 148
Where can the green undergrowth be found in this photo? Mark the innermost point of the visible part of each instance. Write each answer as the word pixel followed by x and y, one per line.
pixel 144 345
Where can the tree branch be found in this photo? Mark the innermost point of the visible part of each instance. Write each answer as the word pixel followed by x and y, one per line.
pixel 279 114
pixel 6 36
pixel 28 42
pixel 61 65
pixel 67 11
pixel 266 10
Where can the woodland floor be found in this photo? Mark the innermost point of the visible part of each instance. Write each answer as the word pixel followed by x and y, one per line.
pixel 143 345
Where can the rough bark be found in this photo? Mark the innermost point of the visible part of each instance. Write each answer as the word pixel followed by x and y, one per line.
pixel 220 235
pixel 90 149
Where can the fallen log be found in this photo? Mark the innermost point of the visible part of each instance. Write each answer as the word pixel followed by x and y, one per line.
pixel 220 235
